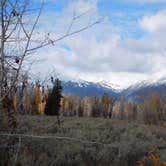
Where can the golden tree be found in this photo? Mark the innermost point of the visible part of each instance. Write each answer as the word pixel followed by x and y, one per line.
pixel 151 109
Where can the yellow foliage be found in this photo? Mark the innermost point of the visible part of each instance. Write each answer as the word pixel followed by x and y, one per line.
pixel 140 163
pixel 153 157
pixel 40 100
pixel 15 101
pixel 164 125
pixel 163 163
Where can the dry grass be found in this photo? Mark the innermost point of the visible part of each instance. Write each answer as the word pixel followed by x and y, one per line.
pixel 118 142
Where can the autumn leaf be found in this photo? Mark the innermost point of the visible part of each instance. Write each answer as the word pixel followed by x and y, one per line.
pixel 153 157
pixel 140 163
pixel 163 162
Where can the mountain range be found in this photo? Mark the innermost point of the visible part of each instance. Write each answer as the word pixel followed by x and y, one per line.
pixel 136 92
pixel 85 88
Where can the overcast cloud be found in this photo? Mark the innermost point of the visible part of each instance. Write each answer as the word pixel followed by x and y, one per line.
pixel 123 49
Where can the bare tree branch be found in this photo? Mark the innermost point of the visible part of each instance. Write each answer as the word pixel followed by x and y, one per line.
pixel 66 35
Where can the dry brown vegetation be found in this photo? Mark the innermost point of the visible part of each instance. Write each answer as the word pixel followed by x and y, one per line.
pixel 83 141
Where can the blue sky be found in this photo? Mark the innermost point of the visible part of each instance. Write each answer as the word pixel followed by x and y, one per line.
pixel 127 47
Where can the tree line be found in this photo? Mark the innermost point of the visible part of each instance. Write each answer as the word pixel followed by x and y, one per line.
pixel 37 99
pixel 151 111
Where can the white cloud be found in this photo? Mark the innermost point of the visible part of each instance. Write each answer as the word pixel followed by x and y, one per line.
pixel 81 6
pixel 99 53
pixel 154 23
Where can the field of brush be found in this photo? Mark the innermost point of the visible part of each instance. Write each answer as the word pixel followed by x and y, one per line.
pixel 83 141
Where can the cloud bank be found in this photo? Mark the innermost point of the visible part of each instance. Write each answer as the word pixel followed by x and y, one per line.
pixel 102 52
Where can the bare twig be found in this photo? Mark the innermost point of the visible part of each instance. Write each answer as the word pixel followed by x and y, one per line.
pixel 17 152
pixel 66 35
pixel 51 137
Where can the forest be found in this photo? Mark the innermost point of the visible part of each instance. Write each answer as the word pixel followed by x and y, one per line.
pixel 31 99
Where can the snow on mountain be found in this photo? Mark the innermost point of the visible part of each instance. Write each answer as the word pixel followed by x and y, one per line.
pixel 103 83
pixel 109 85
pixel 85 88
pixel 134 92
pixel 138 85
pixel 161 80
pixel 141 90
pixel 147 83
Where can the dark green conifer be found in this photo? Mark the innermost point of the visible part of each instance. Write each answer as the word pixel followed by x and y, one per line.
pixel 54 98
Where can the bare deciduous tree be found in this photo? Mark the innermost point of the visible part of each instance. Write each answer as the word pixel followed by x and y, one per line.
pixel 18 40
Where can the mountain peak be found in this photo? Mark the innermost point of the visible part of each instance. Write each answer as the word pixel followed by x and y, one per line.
pixel 86 88
pixel 110 85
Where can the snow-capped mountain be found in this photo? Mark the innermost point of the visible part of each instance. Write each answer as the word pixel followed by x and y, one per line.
pixel 85 88
pixel 147 83
pixel 109 85
pixel 141 90
pixel 136 92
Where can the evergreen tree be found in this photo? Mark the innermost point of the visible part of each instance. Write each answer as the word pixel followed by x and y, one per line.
pixel 54 99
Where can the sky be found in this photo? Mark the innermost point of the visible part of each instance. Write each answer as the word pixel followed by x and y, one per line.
pixel 126 47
